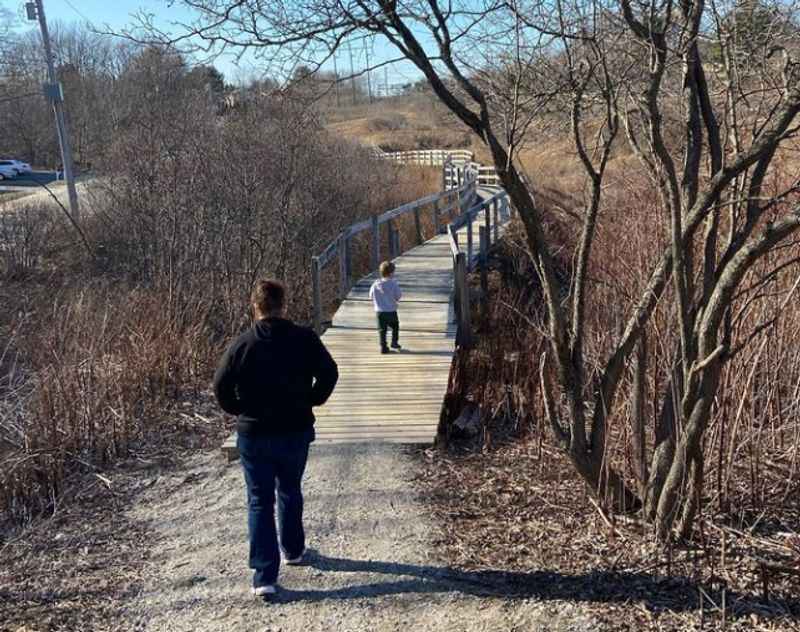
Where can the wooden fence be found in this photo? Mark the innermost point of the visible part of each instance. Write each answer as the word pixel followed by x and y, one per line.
pixel 430 157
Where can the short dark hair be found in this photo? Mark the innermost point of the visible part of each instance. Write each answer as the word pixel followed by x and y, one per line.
pixel 268 295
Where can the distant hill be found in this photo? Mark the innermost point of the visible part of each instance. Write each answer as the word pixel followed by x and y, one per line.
pixel 415 121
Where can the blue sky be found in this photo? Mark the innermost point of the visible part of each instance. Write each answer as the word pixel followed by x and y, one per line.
pixel 119 13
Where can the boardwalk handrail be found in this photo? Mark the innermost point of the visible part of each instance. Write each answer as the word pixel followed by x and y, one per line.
pixel 444 204
pixel 497 211
pixel 461 178
pixel 430 157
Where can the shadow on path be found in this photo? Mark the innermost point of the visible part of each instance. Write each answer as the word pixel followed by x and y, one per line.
pixel 657 594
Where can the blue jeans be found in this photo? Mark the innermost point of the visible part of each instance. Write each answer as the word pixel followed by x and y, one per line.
pixel 271 463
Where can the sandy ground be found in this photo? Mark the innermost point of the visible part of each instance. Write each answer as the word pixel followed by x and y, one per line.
pixel 369 568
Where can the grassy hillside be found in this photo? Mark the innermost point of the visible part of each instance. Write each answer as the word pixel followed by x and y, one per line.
pixel 398 124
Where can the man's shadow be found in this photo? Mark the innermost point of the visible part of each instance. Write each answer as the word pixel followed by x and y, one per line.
pixel 602 586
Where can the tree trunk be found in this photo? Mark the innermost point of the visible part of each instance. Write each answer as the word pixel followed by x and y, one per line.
pixel 664 451
pixel 605 483
pixel 638 416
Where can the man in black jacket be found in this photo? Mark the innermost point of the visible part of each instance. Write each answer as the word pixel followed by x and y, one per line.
pixel 271 377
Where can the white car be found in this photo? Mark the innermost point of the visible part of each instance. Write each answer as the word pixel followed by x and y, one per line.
pixel 7 171
pixel 23 167
pixel 19 166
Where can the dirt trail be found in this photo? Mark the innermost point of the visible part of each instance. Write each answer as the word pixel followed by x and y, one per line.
pixel 369 568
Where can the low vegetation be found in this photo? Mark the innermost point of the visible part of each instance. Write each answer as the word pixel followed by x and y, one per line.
pixel 415 121
pixel 506 496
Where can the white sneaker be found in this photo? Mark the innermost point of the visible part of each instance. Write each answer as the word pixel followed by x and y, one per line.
pixel 263 591
pixel 296 560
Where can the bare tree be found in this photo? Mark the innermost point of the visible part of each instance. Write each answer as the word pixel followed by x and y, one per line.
pixel 643 67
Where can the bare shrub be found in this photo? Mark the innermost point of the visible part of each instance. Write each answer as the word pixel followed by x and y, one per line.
pixel 384 124
pixel 27 235
pixel 192 209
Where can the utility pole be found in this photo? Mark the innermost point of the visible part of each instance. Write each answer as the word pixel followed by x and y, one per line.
pixel 369 79
pixel 352 72
pixel 336 81
pixel 55 95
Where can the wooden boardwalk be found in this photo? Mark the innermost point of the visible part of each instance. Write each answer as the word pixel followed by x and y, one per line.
pixel 398 397
pixel 395 397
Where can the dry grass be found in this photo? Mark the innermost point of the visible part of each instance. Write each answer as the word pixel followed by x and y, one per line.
pixel 510 501
pixel 517 508
pixel 12 196
pixel 82 569
pixel 399 124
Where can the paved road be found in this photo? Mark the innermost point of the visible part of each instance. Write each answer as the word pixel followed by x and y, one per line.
pixel 31 180
pixel 37 194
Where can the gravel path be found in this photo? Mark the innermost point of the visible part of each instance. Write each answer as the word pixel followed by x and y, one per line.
pixel 369 565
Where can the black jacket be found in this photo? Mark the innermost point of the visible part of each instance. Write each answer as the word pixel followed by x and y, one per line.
pixel 272 375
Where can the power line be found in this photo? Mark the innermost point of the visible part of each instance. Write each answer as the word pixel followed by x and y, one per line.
pixel 74 8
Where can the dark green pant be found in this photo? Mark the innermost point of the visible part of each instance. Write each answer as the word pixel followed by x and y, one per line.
pixel 386 320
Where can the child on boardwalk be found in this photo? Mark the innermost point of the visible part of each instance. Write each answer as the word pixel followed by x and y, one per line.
pixel 385 292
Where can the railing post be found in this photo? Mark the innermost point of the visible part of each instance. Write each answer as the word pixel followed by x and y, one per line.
pixel 456 292
pixel 393 238
pixel 469 241
pixel 376 243
pixel 496 212
pixel 453 234
pixel 317 294
pixel 344 282
pixel 418 226
pixel 487 219
pixel 396 244
pixel 484 267
pixel 436 217
pixel 464 327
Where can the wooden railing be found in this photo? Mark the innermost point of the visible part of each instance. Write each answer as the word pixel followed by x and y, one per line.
pixel 486 176
pixel 496 212
pixel 430 157
pixel 442 206
pixel 454 163
pixel 461 177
